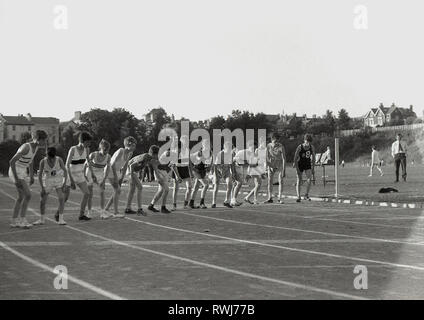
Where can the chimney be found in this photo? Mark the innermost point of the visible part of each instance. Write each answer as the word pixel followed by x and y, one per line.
pixel 411 108
pixel 77 115
pixel 28 116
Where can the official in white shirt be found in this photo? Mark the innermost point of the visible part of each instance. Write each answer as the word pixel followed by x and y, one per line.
pixel 399 154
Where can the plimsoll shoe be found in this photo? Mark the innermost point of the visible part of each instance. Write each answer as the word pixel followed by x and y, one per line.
pixel 141 212
pixel 152 208
pixel 129 211
pixel 164 210
pixel 228 205
pixel 84 218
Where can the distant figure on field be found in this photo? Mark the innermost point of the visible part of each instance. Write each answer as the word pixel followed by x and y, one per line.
pixel 343 163
pixel 375 161
pixel 399 154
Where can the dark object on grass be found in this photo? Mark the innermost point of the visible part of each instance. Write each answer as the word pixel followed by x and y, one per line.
pixel 387 190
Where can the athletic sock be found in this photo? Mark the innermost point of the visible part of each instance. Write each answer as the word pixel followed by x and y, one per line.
pixel 202 201
pixel 185 203
pixel 192 202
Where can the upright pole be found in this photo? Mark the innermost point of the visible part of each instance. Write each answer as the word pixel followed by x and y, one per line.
pixel 336 166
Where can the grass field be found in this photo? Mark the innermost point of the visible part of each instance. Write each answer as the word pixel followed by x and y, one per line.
pixel 355 183
pixel 290 251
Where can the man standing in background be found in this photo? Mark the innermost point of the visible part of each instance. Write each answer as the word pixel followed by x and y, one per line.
pixel 399 154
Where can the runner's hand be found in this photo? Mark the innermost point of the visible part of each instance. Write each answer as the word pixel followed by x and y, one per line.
pixel 73 186
pixel 31 181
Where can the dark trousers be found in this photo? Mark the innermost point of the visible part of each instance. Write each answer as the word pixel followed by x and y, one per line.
pixel 400 160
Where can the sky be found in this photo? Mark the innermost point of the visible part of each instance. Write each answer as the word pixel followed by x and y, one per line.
pixel 198 58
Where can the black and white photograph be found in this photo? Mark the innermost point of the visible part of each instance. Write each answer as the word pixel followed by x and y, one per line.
pixel 211 154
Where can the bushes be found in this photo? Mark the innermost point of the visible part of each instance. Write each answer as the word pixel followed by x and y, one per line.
pixel 8 149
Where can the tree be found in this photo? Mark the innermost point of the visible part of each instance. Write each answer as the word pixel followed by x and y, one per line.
pixel 343 120
pixel 330 122
pixel 8 149
pixel 112 126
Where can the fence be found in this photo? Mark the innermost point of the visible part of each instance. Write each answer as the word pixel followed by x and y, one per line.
pixel 406 127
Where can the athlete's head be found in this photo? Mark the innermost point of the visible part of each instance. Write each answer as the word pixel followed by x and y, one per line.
pixel 154 151
pixel 130 143
pixel 51 152
pixel 227 146
pixel 85 138
pixel 398 137
pixel 275 137
pixel 104 146
pixel 39 137
pixel 307 139
pixel 373 147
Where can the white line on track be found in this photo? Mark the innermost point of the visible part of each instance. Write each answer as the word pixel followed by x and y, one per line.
pixel 216 267
pixel 418 242
pixel 71 278
pixel 262 211
pixel 302 230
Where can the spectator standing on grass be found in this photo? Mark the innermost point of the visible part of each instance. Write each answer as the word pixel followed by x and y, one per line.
pixel 375 161
pixel 399 155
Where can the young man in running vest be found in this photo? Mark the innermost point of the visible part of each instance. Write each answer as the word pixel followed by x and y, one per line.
pixel 304 160
pixel 276 165
pixel 19 164
pixel 52 176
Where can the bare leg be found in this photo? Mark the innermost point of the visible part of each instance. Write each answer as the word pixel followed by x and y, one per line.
pixel 229 188
pixel 86 193
pixel 280 185
pixel 18 203
pixel 270 183
pixel 298 182
pixel 130 194
pixel 157 195
pixel 26 199
pixel 175 192
pixel 189 188
pixel 61 198
pixel 90 197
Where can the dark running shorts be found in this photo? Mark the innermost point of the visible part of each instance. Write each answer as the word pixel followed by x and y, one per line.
pixel 183 172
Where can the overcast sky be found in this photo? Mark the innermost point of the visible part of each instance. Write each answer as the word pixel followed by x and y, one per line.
pixel 201 58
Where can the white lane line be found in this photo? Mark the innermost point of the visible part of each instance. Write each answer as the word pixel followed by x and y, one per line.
pixel 174 242
pixel 36 243
pixel 216 267
pixel 71 278
pixel 323 219
pixel 302 230
pixel 320 253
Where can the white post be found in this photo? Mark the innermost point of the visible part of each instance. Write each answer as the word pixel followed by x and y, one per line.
pixel 336 166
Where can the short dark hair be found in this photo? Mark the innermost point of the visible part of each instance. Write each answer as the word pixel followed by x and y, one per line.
pixel 129 140
pixel 84 136
pixel 105 144
pixel 275 136
pixel 51 152
pixel 39 135
pixel 154 150
pixel 308 137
